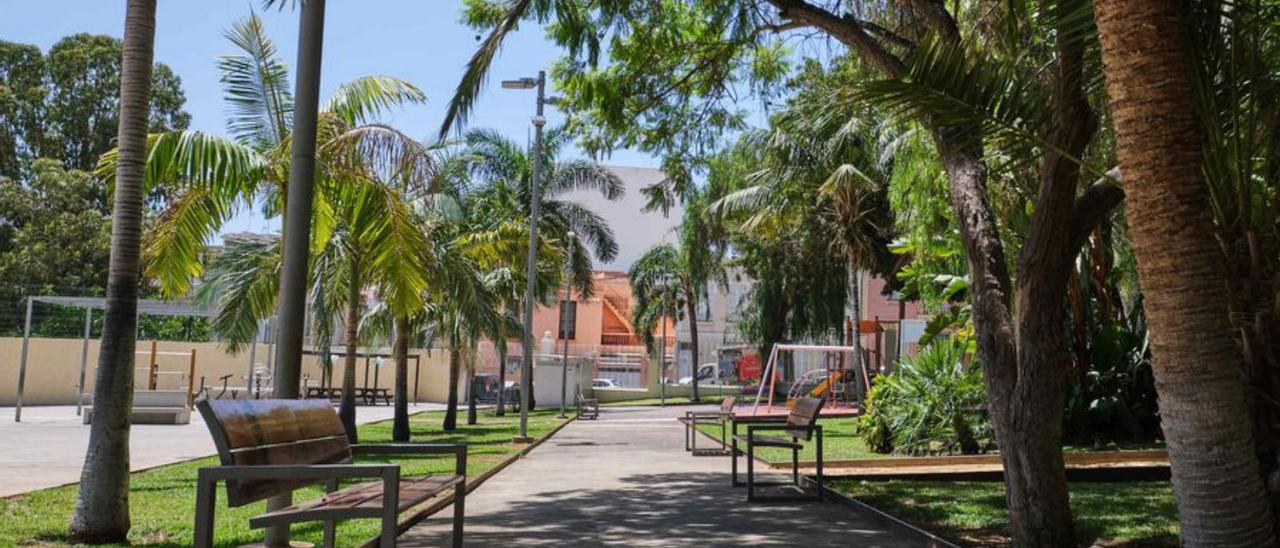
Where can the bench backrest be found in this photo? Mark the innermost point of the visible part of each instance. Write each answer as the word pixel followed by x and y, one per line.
pixel 804 414
pixel 258 432
pixel 726 405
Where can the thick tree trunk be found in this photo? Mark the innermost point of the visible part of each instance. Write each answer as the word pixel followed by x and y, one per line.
pixel 400 350
pixel 691 307
pixel 347 409
pixel 102 507
pixel 451 406
pixel 1221 501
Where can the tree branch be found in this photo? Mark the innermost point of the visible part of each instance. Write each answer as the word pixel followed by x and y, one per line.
pixel 846 29
pixel 1093 205
pixel 935 15
pixel 886 34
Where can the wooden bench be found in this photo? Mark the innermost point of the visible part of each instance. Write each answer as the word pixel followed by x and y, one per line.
pixel 719 417
pixel 800 426
pixel 588 408
pixel 274 447
pixel 152 407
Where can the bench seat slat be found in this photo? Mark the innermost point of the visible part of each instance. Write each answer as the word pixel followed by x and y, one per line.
pixel 361 499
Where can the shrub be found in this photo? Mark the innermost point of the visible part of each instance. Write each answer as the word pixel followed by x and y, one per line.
pixel 933 403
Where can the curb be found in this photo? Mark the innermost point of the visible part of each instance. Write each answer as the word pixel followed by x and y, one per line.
pixel 429 508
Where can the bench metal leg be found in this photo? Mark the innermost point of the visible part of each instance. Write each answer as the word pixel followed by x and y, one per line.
pixel 330 526
pixel 733 454
pixel 206 497
pixel 751 470
pixel 459 511
pixel 795 465
pixel 822 495
pixel 390 506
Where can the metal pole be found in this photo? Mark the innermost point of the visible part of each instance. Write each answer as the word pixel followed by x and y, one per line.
pixel 526 372
pixel 22 368
pixel 564 324
pixel 84 359
pixel 297 222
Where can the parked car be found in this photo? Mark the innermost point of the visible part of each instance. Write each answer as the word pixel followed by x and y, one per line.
pixel 708 374
pixel 605 383
pixel 486 391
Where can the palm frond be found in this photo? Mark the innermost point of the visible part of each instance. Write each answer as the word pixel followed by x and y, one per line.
pixel 256 85
pixel 243 284
pixel 361 100
pixel 477 71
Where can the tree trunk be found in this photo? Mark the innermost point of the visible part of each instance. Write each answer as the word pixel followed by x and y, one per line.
pixel 502 377
pixel 1221 501
pixel 691 305
pixel 471 389
pixel 400 429
pixel 347 409
pixel 451 407
pixel 855 302
pixel 102 507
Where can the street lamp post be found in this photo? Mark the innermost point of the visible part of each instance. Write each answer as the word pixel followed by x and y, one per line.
pixel 526 368
pixel 564 321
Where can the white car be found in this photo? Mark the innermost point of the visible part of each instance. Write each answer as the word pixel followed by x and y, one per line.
pixel 605 383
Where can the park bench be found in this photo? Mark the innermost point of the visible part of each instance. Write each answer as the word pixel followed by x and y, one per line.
pixel 152 407
pixel 275 447
pixel 588 408
pixel 801 425
pixel 720 417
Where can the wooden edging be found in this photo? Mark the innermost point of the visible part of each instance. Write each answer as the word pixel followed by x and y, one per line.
pixel 931 540
pixel 421 512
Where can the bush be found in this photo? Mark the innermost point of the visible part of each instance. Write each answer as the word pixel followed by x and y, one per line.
pixel 934 403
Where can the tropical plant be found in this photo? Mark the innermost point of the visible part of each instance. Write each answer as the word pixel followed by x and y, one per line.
pixel 932 403
pixel 102 508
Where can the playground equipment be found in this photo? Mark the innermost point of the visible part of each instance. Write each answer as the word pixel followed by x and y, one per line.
pixel 831 378
pixel 89 304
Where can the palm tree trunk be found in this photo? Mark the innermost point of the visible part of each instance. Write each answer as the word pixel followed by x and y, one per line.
pixel 692 309
pixel 1221 501
pixel 347 409
pixel 451 405
pixel 502 377
pixel 471 388
pixel 102 507
pixel 400 429
pixel 855 308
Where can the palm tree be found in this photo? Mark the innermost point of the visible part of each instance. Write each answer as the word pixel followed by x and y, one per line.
pixel 692 265
pixel 102 506
pixel 1159 141
pixel 500 204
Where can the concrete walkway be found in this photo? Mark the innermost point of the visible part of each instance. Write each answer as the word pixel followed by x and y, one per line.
pixel 47 448
pixel 625 480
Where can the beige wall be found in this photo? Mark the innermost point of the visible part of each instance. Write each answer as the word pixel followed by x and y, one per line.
pixel 54 364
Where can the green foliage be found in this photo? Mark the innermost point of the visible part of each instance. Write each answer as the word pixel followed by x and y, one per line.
pixel 934 402
pixel 64 105
pixel 1115 398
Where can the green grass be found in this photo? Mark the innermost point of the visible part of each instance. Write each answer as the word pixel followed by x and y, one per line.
pixel 974 513
pixel 838 443
pixel 712 400
pixel 162 500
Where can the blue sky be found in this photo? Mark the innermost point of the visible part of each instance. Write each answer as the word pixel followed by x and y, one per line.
pixel 419 40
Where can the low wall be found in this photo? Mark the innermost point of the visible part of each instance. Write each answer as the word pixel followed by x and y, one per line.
pixel 53 369
pixel 611 395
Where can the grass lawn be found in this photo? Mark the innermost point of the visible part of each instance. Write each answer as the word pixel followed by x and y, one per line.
pixel 974 513
pixel 838 443
pixel 162 500
pixel 706 400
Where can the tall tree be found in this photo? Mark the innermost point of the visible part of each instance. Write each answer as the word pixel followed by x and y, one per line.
pixel 675 69
pixel 102 507
pixel 64 105
pixel 1159 137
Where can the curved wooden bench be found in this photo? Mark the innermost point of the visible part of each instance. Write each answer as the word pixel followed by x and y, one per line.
pixel 275 447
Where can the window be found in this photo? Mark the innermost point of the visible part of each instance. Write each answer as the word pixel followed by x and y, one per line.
pixel 568 319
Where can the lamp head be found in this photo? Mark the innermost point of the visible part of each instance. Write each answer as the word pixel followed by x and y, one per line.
pixel 520 83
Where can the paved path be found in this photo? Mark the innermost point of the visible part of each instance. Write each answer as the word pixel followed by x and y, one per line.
pixel 625 480
pixel 47 448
